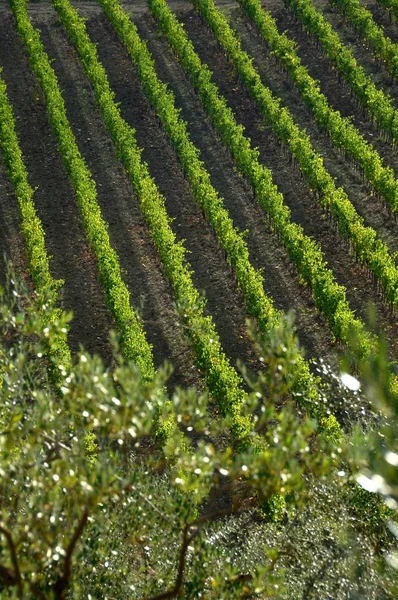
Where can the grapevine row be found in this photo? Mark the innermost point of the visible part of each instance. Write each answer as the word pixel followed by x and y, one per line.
pixel 362 20
pixel 341 131
pixel 222 379
pixel 32 230
pixel 328 294
pixel 391 6
pixel 162 99
pixel 250 281
pixel 133 342
pixel 370 250
pixel 375 101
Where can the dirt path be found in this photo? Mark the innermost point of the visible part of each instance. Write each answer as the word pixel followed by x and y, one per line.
pixel 42 8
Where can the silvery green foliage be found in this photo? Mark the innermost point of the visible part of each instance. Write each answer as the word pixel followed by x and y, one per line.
pixel 100 472
pixel 110 489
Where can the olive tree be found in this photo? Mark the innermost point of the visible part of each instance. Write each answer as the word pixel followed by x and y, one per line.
pixel 112 488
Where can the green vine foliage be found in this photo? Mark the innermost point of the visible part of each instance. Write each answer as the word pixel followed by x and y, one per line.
pixel 329 296
pixel 38 260
pixel 340 129
pixel 222 379
pixel 370 249
pixel 232 241
pixel 250 281
pixel 362 20
pixel 133 340
pixel 374 100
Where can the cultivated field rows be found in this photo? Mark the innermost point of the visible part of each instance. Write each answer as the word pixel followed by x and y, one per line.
pixel 151 293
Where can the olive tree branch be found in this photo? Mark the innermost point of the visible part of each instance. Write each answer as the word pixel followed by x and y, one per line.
pixel 63 582
pixel 72 544
pixel 190 531
pixel 14 559
pixel 6 577
pixel 177 588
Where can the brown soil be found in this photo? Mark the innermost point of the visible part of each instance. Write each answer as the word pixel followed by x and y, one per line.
pixel 12 245
pixel 128 232
pixel 54 199
pixel 150 292
pixel 305 209
pixel 211 274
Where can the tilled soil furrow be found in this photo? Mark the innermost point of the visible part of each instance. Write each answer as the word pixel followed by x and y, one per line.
pixel 55 203
pixel 12 245
pixel 332 85
pixel 211 273
pixel 150 293
pixel 344 169
pixel 373 67
pixel 281 281
pixel 43 10
pixel 305 209
pixel 382 19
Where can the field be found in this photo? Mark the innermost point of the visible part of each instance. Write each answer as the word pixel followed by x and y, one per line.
pixel 151 293
pixel 187 173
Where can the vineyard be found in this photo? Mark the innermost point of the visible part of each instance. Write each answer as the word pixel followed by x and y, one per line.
pixel 189 172
pixel 181 168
